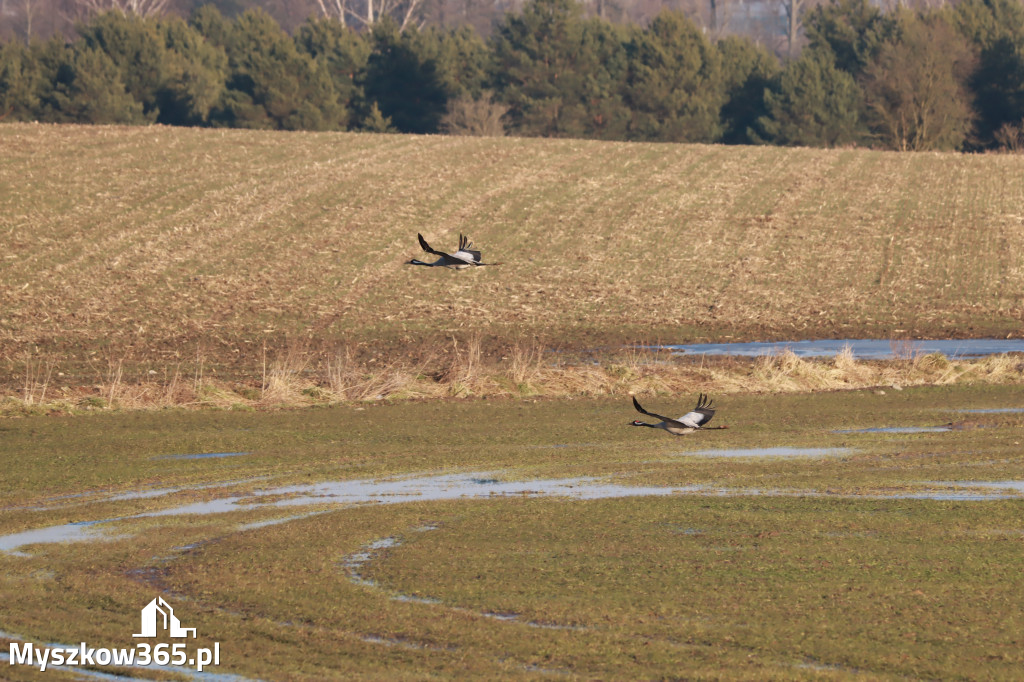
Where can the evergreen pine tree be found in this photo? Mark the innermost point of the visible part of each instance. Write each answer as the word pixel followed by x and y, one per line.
pixel 19 82
pixel 747 70
pixel 532 51
pixel 995 28
pixel 812 104
pixel 852 30
pixel 211 24
pixel 376 122
pixel 194 74
pixel 675 86
pixel 559 75
pixel 272 85
pixel 462 60
pixel 85 87
pixel 135 48
pixel 604 63
pixel 344 53
pixel 402 78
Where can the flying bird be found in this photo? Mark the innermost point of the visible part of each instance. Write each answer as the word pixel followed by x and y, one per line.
pixel 691 421
pixel 464 258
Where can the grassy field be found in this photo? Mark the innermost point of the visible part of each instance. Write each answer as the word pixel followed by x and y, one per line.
pixel 809 568
pixel 165 268
pixel 174 256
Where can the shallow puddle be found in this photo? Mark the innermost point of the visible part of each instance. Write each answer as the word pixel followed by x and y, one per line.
pixel 275 521
pixel 405 643
pixel 862 349
pixel 772 452
pixel 69 532
pixel 427 488
pixel 91 496
pixel 1017 486
pixel 898 429
pixel 477 485
pixel 444 486
pixel 993 410
pixel 205 455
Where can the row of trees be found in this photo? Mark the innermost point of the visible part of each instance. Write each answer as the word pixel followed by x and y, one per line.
pixel 763 20
pixel 951 78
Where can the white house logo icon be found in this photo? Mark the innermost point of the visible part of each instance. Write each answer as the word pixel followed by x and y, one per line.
pixel 170 621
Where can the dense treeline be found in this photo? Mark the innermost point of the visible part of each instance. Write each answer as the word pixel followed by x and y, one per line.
pixel 951 78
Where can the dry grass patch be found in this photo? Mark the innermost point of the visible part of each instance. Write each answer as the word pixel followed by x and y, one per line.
pixel 301 377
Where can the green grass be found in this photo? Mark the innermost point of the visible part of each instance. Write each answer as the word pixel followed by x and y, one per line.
pixel 841 581
pixel 46 456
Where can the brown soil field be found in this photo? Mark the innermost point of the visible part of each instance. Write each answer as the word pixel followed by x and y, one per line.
pixel 165 254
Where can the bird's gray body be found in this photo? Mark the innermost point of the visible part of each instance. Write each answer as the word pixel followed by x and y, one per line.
pixel 464 258
pixel 695 419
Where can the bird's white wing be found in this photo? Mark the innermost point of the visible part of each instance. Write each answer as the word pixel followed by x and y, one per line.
pixel 693 419
pixel 469 257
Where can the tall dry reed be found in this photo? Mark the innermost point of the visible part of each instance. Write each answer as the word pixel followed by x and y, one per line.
pixel 298 376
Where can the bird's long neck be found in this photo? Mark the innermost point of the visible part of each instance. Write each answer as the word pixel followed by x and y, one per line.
pixel 640 423
pixel 419 262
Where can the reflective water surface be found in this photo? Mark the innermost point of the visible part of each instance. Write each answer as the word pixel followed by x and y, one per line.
pixel 862 349
pixel 993 410
pixel 471 485
pixel 204 455
pixel 772 452
pixel 897 429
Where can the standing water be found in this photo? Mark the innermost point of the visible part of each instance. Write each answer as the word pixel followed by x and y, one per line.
pixel 862 349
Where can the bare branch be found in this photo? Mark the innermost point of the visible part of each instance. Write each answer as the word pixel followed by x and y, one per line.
pixel 142 8
pixel 409 11
pixel 333 9
pixel 367 12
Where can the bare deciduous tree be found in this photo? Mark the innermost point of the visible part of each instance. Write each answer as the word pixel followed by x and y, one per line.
pixel 714 16
pixel 1010 137
pixel 786 20
pixel 368 12
pixel 26 19
pixel 333 9
pixel 18 17
pixel 143 8
pixel 916 91
pixel 794 22
pixel 482 117
pixel 29 11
